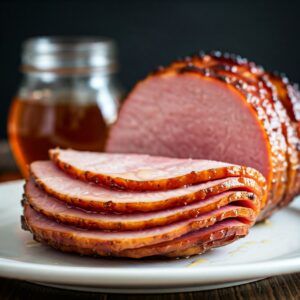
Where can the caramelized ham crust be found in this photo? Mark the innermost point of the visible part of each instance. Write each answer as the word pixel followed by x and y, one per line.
pixel 159 241
pixel 90 196
pixel 145 172
pixel 63 213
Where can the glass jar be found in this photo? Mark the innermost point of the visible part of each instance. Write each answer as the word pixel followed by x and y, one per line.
pixel 69 97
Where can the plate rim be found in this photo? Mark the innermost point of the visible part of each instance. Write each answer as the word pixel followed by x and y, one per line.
pixel 161 276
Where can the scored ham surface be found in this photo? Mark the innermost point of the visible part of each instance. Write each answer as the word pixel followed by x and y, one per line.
pixel 217 107
pixel 246 77
pixel 93 197
pixel 59 211
pixel 72 239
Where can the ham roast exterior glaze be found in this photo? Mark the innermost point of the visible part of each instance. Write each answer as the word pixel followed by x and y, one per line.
pixel 218 107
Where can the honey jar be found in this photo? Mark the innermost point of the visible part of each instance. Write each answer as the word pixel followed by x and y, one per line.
pixel 69 97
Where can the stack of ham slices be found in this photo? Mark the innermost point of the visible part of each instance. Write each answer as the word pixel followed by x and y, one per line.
pixel 131 205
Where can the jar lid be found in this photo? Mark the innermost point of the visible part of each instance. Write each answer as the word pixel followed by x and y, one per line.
pixel 69 53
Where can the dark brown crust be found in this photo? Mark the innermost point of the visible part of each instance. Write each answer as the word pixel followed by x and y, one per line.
pixel 290 98
pixel 24 225
pixel 236 198
pixel 156 185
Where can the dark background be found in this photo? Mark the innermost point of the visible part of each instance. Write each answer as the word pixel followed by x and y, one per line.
pixel 150 33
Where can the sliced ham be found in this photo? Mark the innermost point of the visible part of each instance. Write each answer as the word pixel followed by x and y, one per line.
pixel 120 240
pixel 144 172
pixel 93 197
pixel 101 243
pixel 59 211
pixel 198 242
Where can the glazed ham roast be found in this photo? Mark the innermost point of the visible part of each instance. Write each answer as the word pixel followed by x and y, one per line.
pixel 219 107
pixel 202 149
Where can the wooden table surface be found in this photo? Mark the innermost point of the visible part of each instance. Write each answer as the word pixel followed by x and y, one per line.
pixel 280 287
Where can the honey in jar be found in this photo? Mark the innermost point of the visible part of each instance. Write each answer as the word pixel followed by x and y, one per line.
pixel 65 100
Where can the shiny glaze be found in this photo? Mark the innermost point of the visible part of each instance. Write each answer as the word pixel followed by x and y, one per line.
pixel 289 96
pixel 256 86
pixel 260 79
pixel 198 68
pixel 263 81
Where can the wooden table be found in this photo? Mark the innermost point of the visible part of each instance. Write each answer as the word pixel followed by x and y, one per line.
pixel 280 287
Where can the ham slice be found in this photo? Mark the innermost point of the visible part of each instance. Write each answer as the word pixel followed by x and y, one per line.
pixel 102 243
pixel 144 172
pixel 90 196
pixel 198 242
pixel 111 241
pixel 59 211
pixel 201 247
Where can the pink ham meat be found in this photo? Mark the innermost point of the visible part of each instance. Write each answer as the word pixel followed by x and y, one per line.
pixel 144 172
pixel 159 241
pixel 90 196
pixel 184 113
pixel 59 211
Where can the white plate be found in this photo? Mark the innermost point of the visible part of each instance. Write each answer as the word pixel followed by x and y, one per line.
pixel 270 249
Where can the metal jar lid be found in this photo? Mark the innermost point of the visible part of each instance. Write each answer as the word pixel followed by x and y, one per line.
pixel 69 54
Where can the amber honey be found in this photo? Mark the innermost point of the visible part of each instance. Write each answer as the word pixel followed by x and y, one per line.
pixel 34 127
